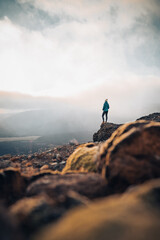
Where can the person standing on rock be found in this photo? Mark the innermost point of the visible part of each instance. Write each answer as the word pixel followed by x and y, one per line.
pixel 105 110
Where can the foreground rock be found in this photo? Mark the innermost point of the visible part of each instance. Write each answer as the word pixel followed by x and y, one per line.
pixel 90 185
pixel 15 185
pixel 131 156
pixel 8 227
pixel 40 199
pixel 34 213
pixel 12 186
pixel 82 159
pixel 134 215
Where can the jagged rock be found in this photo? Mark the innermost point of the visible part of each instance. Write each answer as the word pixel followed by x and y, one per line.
pixel 131 155
pixel 44 167
pixel 35 212
pixel 82 158
pixel 133 215
pixel 90 185
pixel 32 163
pixel 12 185
pixel 105 131
pixel 151 117
pixel 8 226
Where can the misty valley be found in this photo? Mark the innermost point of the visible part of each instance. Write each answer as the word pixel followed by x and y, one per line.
pixel 38 130
pixel 32 144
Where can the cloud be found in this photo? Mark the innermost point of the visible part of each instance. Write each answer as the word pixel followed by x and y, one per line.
pixel 26 15
pixel 128 100
pixel 13 101
pixel 63 61
pixel 66 48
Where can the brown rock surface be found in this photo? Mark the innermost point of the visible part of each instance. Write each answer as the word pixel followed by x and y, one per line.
pixel 35 212
pixel 131 155
pixel 54 158
pixel 133 215
pixel 105 131
pixel 12 185
pixel 91 185
pixel 8 227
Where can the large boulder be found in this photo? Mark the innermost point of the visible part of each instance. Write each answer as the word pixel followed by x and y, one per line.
pixel 13 183
pixel 33 213
pixel 82 159
pixel 133 215
pixel 90 185
pixel 131 155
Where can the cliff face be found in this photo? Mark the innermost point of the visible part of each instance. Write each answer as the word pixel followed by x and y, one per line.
pixel 106 129
pixel 122 174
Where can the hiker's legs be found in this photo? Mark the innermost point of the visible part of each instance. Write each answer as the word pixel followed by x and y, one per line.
pixel 106 116
pixel 103 115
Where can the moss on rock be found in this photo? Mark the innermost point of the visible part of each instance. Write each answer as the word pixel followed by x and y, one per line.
pixel 82 159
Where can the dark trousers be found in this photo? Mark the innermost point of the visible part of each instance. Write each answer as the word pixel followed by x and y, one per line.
pixel 105 113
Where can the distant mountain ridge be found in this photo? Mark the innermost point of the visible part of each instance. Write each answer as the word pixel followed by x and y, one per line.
pixel 47 122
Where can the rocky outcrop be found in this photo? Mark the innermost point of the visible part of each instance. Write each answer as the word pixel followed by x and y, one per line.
pixel 133 215
pixel 131 155
pixel 105 131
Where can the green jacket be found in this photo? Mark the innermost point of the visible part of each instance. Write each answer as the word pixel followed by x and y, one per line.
pixel 105 106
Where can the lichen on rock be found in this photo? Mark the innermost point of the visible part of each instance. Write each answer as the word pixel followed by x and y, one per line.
pixel 82 159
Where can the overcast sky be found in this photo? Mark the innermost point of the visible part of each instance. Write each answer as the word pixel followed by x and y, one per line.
pixel 86 50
